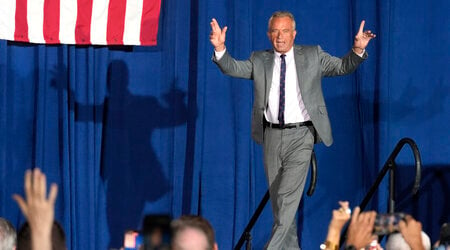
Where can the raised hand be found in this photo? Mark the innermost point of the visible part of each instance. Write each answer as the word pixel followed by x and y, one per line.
pixel 411 231
pixel 360 230
pixel 37 208
pixel 217 35
pixel 340 217
pixel 362 38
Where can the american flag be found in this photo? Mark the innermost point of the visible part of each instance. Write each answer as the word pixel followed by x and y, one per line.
pixel 100 22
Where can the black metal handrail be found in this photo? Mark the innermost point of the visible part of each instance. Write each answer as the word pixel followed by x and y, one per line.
pixel 246 235
pixel 390 165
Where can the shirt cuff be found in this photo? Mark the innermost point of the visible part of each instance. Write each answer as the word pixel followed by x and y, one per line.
pixel 219 54
pixel 360 54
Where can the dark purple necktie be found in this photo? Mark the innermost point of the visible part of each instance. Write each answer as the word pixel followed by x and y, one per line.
pixel 282 90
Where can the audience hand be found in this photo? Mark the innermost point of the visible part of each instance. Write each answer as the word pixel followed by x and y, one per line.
pixel 37 208
pixel 411 231
pixel 341 215
pixel 338 220
pixel 360 230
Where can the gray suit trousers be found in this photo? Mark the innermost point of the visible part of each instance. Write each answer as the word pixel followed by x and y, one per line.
pixel 287 155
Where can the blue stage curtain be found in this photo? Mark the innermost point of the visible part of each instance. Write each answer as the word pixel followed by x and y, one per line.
pixel 130 131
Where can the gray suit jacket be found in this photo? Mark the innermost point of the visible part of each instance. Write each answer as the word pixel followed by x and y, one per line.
pixel 312 64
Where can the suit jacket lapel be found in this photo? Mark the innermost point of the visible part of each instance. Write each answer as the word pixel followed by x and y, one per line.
pixel 268 69
pixel 299 58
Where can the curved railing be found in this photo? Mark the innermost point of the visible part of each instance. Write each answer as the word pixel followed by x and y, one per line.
pixel 390 166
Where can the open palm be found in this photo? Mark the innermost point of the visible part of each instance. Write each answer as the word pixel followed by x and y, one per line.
pixel 217 35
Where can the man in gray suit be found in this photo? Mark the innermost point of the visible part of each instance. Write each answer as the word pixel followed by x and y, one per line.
pixel 289 113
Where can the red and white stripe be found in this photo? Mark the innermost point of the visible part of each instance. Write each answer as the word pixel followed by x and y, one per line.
pixel 100 22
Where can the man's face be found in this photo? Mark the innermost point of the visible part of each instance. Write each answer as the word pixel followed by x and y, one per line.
pixel 281 34
pixel 190 239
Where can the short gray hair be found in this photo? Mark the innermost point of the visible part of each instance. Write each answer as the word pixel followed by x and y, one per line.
pixel 8 236
pixel 277 14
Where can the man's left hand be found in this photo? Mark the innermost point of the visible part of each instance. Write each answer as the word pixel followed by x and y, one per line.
pixel 362 38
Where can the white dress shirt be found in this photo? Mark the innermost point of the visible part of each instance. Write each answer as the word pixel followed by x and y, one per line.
pixel 294 109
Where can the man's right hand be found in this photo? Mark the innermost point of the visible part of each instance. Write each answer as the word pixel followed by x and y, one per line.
pixel 217 35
